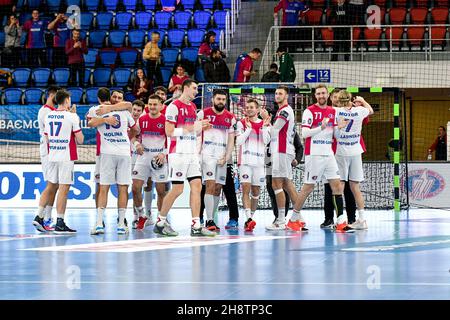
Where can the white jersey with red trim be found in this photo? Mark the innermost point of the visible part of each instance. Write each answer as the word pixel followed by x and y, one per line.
pixel 319 144
pixel 182 115
pixel 42 116
pixel 89 115
pixel 215 139
pixel 252 151
pixel 153 134
pixel 283 142
pixel 349 142
pixel 60 129
pixel 114 138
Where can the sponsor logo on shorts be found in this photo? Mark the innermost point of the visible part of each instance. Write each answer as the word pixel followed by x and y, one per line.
pixel 314 177
pixel 222 178
pixel 209 173
pixel 178 174
pixel 262 179
pixel 162 176
pixel 245 176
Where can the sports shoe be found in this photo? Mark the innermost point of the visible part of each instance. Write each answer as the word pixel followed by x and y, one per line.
pixel 122 229
pixel 232 224
pixel 359 225
pixel 124 221
pixel 150 220
pixel 296 225
pixel 143 222
pixel 211 226
pixel 327 224
pixel 165 230
pixel 276 225
pixel 61 227
pixel 38 223
pixel 249 225
pixel 202 221
pixel 134 224
pixel 98 230
pixel 48 225
pixel 202 232
pixel 343 228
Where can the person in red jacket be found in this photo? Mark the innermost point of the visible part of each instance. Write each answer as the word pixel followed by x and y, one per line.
pixel 75 48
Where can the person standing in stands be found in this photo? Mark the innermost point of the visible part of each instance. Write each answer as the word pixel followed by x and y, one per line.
pixel 244 65
pixel 272 75
pixel 75 48
pixel 287 68
pixel 35 44
pixel 440 145
pixel 62 33
pixel 340 16
pixel 357 8
pixel 151 56
pixel 207 46
pixel 11 52
pixel 216 69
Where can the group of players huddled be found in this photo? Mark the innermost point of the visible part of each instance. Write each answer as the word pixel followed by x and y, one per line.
pixel 140 144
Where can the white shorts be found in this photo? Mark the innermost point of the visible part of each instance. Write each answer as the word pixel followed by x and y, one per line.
pixel 350 168
pixel 183 166
pixel 97 170
pixel 44 163
pixel 143 172
pixel 115 169
pixel 319 167
pixel 256 176
pixel 60 172
pixel 282 165
pixel 212 171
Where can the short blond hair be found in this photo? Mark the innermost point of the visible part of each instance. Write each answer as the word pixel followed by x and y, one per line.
pixel 344 97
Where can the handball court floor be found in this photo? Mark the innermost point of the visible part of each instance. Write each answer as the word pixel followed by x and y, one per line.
pixel 403 257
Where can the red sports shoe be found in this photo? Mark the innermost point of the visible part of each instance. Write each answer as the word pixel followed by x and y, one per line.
pixel 296 225
pixel 141 223
pixel 249 225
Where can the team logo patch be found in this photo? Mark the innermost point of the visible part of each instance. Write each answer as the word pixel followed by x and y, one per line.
pixel 162 176
pixel 314 178
pixel 245 176
pixel 262 179
pixel 97 176
pixel 135 172
pixel 227 120
pixel 309 121
pixel 425 184
pixel 178 174
pixel 331 116
pixel 284 114
pixel 209 173
pixel 160 125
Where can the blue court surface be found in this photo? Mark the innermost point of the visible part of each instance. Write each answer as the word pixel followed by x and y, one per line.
pixel 403 257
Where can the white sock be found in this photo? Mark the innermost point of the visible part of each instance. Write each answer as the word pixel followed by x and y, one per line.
pixel 281 214
pixel 60 216
pixel 252 213
pixel 216 205
pixel 48 212
pixel 196 223
pixel 140 212
pixel 361 214
pixel 135 213
pixel 248 213
pixel 100 212
pixel 122 216
pixel 148 197
pixel 297 215
pixel 161 220
pixel 209 206
pixel 41 212
pixel 341 219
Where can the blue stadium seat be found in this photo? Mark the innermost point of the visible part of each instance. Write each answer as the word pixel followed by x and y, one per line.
pixel 73 3
pixel 86 20
pixel 102 77
pixel 200 75
pixel 129 96
pixel 91 96
pixel 2 39
pixel 143 19
pixel 136 38
pixel 108 57
pixel 190 54
pixel 123 20
pixel 13 96
pixel 34 4
pixel 202 18
pixel 188 4
pixel 41 76
pixel 20 4
pixel 53 5
pixel 24 16
pixel 130 4
pixel 121 76
pixel 61 76
pixel 76 94
pixel 117 38
pixel 21 76
pixel 195 37
pixel 220 18
pixel 226 4
pixel 104 20
pixel 92 5
pixel 87 77
pixel 176 37
pixel 166 73
pixel 149 4
pixel 128 58
pixel 207 4
pixel 33 96
pixel 162 36
pixel 162 19
pixel 170 56
pixel 97 39
pixel 110 5
pixel 90 58
pixel 182 19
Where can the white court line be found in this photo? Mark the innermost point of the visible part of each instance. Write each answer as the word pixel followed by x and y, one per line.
pixel 397 246
pixel 156 243
pixel 29 236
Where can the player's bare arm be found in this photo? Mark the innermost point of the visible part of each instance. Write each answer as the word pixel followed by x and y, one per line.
pixel 107 108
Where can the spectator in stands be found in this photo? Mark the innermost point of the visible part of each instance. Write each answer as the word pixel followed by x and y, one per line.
pixel 287 68
pixel 13 32
pixel 6 8
pixel 216 69
pixel 439 145
pixel 205 50
pixel 75 48
pixel 357 10
pixel 35 45
pixel 151 56
pixel 169 5
pixel 293 11
pixel 244 65
pixel 62 33
pixel 161 92
pixel 177 80
pixel 142 87
pixel 5 78
pixel 272 75
pixel 340 15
